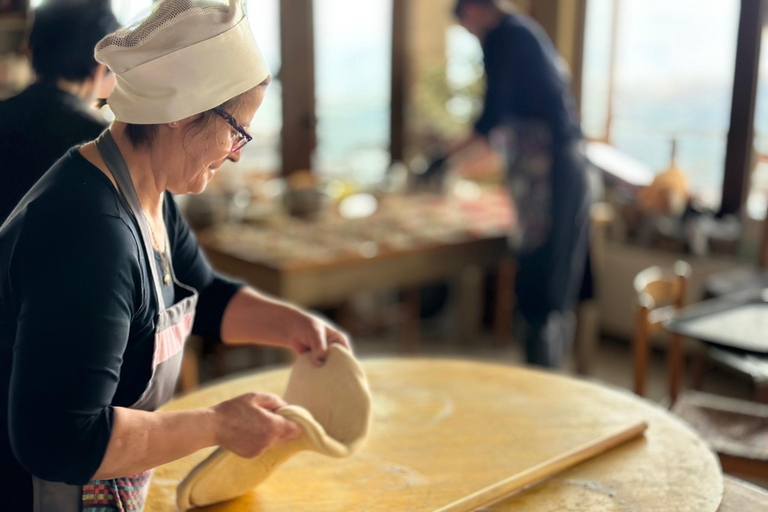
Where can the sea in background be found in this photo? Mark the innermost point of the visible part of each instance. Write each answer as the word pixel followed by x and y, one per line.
pixel 673 81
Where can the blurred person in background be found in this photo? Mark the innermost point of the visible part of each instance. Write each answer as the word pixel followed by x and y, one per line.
pixel 56 112
pixel 529 114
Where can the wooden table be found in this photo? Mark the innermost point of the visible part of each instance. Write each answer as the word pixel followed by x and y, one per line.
pixel 740 496
pixel 331 283
pixel 734 328
pixel 446 428
pixel 737 322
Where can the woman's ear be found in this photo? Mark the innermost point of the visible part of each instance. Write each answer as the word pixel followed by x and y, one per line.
pixel 103 82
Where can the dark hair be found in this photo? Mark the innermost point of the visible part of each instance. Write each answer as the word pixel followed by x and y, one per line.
pixel 63 36
pixel 504 5
pixel 143 135
pixel 461 3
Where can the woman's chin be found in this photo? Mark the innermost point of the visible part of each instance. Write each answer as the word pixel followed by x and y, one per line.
pixel 198 185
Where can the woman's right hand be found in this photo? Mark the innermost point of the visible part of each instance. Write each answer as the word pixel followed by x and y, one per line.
pixel 247 425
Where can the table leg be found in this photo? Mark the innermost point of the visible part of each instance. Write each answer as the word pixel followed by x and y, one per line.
pixel 409 341
pixel 761 392
pixel 470 308
pixel 257 356
pixel 505 301
pixel 675 356
pixel 587 335
pixel 219 354
pixel 189 379
pixel 699 369
pixel 345 318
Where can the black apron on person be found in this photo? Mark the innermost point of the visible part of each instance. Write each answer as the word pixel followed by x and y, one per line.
pixel 172 326
pixel 548 184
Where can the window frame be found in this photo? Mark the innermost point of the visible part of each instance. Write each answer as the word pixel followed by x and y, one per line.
pixel 739 147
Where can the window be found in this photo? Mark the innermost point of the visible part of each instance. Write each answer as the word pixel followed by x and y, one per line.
pixel 130 11
pixel 263 154
pixel 757 201
pixel 353 58
pixel 449 81
pixel 126 11
pixel 672 79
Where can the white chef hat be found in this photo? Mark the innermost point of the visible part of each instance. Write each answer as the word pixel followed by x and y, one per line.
pixel 187 57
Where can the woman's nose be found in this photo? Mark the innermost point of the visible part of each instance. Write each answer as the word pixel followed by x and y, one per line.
pixel 234 156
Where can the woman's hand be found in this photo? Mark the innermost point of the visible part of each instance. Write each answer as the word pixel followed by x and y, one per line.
pixel 308 333
pixel 247 425
pixel 255 319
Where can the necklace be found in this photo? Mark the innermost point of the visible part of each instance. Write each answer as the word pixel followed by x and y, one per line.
pixel 160 249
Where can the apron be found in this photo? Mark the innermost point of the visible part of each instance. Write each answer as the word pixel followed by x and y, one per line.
pixel 172 327
pixel 548 183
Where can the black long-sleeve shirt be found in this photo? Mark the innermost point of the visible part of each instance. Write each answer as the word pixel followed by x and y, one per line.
pixel 76 323
pixel 36 128
pixel 525 80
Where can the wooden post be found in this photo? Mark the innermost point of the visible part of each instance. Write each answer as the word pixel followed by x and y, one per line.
pixel 641 350
pixel 400 66
pixel 297 76
pixel 612 68
pixel 546 12
pixel 739 149
pixel 675 355
pixel 577 68
pixel 764 246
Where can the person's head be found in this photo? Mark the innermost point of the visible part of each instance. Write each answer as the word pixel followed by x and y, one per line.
pixel 61 42
pixel 189 81
pixel 201 143
pixel 480 16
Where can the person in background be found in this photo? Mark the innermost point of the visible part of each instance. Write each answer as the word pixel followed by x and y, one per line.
pixel 530 114
pixel 55 113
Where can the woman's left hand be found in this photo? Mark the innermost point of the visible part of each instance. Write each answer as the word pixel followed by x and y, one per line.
pixel 308 333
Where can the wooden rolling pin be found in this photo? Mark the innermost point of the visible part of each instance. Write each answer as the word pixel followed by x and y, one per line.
pixel 544 470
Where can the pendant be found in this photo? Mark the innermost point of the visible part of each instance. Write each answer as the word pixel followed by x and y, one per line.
pixel 167 279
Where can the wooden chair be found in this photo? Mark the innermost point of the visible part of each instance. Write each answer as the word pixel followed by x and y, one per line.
pixel 660 295
pixel 752 367
pixel 735 429
pixel 741 496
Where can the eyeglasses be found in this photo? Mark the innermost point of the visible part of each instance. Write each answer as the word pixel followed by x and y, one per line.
pixel 243 137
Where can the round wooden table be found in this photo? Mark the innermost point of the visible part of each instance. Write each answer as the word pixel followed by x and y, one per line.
pixel 446 428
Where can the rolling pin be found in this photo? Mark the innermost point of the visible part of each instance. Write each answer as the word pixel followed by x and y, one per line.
pixel 546 469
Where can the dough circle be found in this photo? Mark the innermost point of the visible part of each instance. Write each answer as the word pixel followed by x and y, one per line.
pixel 331 403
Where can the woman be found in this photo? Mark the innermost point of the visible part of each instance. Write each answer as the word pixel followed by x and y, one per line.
pixel 104 278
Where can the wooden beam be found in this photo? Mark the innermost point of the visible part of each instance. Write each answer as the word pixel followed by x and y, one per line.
pixel 739 149
pixel 764 246
pixel 400 65
pixel 297 76
pixel 577 68
pixel 545 12
pixel 615 17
